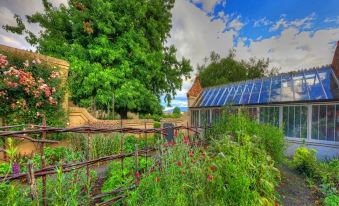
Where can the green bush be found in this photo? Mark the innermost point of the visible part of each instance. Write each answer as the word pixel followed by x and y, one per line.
pixel 305 161
pixel 228 173
pixel 269 137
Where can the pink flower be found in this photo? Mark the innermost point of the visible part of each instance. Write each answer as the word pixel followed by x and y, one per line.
pixel 52 101
pixel 26 63
pixel 55 74
pixel 13 105
pixel 38 104
pixel 3 61
pixel 210 178
pixel 212 167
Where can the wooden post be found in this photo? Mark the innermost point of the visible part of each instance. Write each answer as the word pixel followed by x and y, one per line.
pixel 122 148
pixel 146 145
pixel 137 174
pixel 88 157
pixel 31 180
pixel 188 131
pixel 3 123
pixel 43 163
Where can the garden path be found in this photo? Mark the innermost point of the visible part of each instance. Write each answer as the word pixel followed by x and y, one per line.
pixel 293 189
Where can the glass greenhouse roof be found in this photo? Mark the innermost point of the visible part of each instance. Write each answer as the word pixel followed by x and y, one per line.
pixel 310 85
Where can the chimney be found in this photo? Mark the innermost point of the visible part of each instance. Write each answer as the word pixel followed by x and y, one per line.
pixel 335 62
pixel 194 92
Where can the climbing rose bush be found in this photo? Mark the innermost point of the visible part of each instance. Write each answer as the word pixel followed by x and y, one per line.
pixel 29 89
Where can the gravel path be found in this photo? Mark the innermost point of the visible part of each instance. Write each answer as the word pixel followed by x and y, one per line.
pixel 293 189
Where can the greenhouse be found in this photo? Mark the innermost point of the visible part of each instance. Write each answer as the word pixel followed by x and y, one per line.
pixel 305 104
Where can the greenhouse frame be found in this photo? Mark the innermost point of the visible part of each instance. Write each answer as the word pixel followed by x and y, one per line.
pixel 305 104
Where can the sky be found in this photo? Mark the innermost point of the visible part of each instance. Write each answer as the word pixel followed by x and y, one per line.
pixel 293 34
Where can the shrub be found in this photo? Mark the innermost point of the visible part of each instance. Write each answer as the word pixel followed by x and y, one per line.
pixel 269 137
pixel 29 88
pixel 176 111
pixel 305 161
pixel 228 173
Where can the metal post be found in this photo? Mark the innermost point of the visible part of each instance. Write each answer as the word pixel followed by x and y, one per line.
pixel 43 163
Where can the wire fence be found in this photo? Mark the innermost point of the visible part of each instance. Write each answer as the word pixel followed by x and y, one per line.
pixel 43 130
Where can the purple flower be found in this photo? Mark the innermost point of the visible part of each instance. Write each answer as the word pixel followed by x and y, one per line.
pixel 15 168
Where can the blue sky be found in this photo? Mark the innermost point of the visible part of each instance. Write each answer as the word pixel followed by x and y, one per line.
pixel 293 34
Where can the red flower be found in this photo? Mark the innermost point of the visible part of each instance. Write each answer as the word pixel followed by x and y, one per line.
pixel 191 154
pixel 175 133
pixel 137 176
pixel 186 140
pixel 179 163
pixel 276 203
pixel 203 154
pixel 210 178
pixel 152 169
pixel 212 167
pixel 157 179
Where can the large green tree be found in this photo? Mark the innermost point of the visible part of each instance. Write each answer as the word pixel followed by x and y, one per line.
pixel 116 50
pixel 228 69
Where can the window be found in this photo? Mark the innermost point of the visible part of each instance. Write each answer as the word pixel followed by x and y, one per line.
pixel 195 118
pixel 252 112
pixel 205 117
pixel 269 115
pixel 216 115
pixel 325 122
pixel 295 121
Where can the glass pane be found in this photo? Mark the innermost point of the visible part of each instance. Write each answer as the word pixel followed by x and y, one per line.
pixel 330 122
pixel 303 122
pixel 337 124
pixel 255 92
pixel 212 96
pixel 287 88
pixel 264 95
pixel 290 132
pixel 223 96
pixel 231 95
pixel 216 98
pixel 316 91
pixel 246 94
pixel 206 97
pixel 285 120
pixel 297 124
pixel 325 78
pixel 322 122
pixel 315 122
pixel 300 88
pixel 275 90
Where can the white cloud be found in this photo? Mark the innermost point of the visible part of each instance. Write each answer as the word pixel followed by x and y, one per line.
pixel 304 23
pixel 293 49
pixel 262 22
pixel 235 24
pixel 209 5
pixel 332 20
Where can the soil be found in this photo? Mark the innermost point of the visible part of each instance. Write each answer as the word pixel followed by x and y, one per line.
pixel 293 189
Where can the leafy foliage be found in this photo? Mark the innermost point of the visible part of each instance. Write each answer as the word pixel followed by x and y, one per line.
pixel 227 70
pixel 176 111
pixel 116 50
pixel 305 161
pixel 270 138
pixel 227 173
pixel 29 88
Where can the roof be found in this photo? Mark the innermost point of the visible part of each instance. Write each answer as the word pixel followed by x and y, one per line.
pixel 315 84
